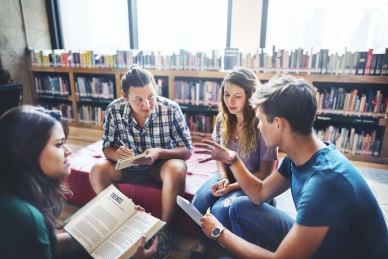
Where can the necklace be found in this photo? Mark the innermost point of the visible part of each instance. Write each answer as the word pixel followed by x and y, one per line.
pixel 238 132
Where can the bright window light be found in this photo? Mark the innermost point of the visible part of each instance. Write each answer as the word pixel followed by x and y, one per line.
pixel 330 24
pixel 171 25
pixel 95 24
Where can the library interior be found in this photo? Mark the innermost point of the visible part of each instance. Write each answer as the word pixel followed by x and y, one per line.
pixel 226 102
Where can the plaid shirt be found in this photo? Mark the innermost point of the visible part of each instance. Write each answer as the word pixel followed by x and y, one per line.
pixel 164 128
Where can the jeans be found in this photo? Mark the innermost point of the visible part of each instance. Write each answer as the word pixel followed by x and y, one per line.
pixel 204 199
pixel 259 223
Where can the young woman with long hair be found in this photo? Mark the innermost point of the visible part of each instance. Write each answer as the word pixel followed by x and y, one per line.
pixel 236 129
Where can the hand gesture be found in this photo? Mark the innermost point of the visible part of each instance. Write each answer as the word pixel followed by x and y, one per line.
pixel 150 158
pixel 216 152
pixel 208 223
pixel 221 188
pixel 141 252
pixel 123 152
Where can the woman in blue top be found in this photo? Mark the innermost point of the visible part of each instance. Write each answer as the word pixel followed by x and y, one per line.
pixel 33 165
pixel 236 129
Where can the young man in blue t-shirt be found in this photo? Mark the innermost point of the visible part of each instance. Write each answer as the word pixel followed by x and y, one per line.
pixel 338 215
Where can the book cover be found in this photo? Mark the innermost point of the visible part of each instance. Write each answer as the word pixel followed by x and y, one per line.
pixel 368 62
pixel 231 58
pixel 354 63
pixel 373 65
pixel 384 70
pixel 189 209
pixel 361 63
pixel 379 64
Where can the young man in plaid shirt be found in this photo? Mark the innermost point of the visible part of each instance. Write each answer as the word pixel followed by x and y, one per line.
pixel 147 123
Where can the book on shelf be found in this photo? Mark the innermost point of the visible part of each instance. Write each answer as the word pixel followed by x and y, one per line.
pixel 361 62
pixel 110 226
pixel 368 62
pixel 231 58
pixel 384 67
pixel 127 162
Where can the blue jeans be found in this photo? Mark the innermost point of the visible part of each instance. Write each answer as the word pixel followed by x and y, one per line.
pixel 259 223
pixel 204 199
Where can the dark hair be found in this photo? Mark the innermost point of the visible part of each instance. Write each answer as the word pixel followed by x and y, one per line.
pixel 24 132
pixel 247 80
pixel 5 76
pixel 291 98
pixel 136 77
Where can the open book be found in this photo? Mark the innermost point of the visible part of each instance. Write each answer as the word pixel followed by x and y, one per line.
pixel 127 162
pixel 109 226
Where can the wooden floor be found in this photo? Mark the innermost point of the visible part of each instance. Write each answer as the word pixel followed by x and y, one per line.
pixel 183 244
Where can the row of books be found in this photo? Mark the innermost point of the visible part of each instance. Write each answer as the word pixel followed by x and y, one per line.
pixel 200 125
pixel 197 92
pixel 350 140
pixel 298 61
pixel 95 87
pixel 66 109
pixel 88 114
pixel 51 85
pixel 125 58
pixel 339 99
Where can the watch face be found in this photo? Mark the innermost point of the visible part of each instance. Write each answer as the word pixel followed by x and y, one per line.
pixel 216 231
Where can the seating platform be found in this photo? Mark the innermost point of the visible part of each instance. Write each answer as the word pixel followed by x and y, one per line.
pixel 148 194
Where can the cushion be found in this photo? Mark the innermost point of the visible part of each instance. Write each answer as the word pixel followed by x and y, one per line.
pixel 146 194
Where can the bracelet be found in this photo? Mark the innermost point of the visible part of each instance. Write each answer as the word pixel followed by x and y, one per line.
pixel 224 178
pixel 231 162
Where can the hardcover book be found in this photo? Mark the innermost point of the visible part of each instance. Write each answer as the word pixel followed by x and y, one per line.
pixel 231 58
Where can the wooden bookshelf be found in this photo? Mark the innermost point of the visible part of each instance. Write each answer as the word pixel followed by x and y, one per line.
pixel 354 81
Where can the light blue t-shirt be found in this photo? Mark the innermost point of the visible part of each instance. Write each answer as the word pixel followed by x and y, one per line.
pixel 329 191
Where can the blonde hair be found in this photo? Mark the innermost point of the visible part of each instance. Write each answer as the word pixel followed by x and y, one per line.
pixel 246 79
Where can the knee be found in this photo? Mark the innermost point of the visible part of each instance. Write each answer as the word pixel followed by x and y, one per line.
pixel 237 205
pixel 99 169
pixel 174 170
pixel 202 197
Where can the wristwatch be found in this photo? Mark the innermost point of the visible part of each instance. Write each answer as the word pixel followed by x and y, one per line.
pixel 216 232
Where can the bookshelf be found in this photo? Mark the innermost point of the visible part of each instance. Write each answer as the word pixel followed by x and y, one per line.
pixel 362 83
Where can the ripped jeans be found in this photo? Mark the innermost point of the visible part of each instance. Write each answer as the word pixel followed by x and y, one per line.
pixel 204 199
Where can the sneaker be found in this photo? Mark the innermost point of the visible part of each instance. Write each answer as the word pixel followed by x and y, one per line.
pixel 164 245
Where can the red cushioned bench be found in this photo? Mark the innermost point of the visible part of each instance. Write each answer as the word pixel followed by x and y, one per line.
pixel 147 194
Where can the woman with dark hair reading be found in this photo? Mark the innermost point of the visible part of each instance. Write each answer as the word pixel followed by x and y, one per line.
pixel 33 165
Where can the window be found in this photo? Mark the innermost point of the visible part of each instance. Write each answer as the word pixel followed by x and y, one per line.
pixel 95 24
pixel 171 25
pixel 330 24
